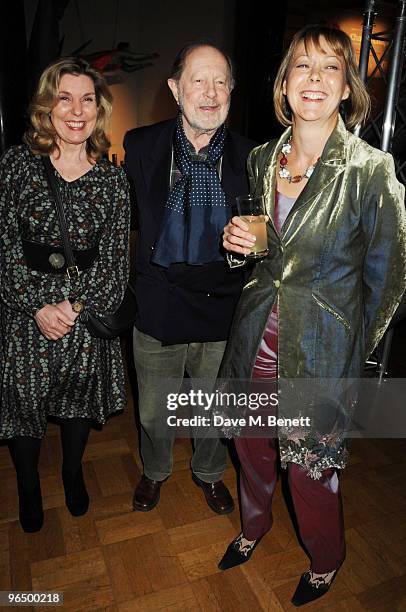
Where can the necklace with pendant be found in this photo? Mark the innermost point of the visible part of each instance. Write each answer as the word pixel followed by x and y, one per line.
pixel 283 165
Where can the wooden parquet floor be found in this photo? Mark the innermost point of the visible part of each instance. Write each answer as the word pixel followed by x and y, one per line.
pixel 114 559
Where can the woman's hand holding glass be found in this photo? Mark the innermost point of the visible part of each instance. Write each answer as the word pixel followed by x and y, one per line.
pixel 237 238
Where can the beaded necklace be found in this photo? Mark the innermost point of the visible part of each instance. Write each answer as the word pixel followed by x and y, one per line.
pixel 283 165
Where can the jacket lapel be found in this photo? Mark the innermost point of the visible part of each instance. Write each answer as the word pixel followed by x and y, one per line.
pixel 233 167
pixel 156 169
pixel 332 163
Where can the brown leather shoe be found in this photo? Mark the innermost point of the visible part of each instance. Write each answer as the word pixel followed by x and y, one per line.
pixel 146 495
pixel 217 495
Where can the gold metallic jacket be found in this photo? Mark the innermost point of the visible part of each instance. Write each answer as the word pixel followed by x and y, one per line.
pixel 337 270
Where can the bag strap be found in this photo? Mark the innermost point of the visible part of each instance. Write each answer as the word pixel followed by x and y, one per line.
pixel 72 271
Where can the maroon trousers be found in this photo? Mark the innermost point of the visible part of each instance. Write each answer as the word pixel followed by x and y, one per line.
pixel 317 503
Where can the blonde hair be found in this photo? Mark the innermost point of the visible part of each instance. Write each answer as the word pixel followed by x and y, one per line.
pixel 357 107
pixel 41 136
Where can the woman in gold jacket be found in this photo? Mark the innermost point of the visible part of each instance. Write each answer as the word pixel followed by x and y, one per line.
pixel 319 303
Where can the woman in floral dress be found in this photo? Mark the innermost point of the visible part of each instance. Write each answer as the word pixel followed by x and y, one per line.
pixel 50 364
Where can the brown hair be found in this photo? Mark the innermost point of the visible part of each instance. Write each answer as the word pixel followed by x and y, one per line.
pixel 179 61
pixel 41 136
pixel 356 108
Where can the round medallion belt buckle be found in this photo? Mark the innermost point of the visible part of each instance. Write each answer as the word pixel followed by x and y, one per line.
pixel 57 260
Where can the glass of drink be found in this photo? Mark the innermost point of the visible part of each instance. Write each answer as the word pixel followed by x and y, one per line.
pixel 251 209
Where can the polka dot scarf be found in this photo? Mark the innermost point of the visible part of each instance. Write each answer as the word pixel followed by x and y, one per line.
pixel 196 211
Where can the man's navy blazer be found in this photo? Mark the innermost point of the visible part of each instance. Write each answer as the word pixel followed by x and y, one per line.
pixel 182 303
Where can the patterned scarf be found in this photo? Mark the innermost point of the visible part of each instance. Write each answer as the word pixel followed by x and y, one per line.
pixel 196 211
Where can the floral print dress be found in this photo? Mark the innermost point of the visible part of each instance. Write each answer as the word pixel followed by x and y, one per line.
pixel 77 375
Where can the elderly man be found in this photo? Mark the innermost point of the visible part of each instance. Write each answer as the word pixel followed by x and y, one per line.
pixel 186 173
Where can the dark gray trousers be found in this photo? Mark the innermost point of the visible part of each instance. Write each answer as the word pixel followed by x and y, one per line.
pixel 155 363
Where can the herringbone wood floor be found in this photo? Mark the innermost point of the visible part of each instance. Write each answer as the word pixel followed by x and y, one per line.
pixel 114 559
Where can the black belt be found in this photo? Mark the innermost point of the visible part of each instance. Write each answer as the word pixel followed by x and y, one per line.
pixel 49 259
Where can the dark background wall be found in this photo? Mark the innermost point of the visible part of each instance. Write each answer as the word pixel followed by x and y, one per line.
pixel 13 94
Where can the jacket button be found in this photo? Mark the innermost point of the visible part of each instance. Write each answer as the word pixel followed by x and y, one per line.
pixel 277 283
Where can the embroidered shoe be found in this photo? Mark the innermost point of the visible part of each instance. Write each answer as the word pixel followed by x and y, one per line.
pixel 238 552
pixel 312 586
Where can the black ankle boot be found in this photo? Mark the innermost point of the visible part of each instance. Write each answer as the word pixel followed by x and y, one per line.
pixel 306 591
pixel 236 555
pixel 76 495
pixel 31 513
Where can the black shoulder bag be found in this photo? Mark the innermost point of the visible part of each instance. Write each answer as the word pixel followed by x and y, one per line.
pixel 106 326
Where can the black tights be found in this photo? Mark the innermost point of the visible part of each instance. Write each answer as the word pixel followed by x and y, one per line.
pixel 74 435
pixel 25 451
